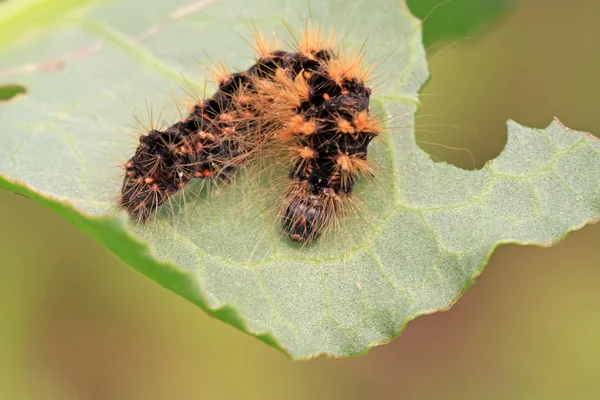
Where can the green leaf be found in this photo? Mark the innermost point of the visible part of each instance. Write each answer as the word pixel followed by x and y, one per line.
pixel 425 230
pixel 455 19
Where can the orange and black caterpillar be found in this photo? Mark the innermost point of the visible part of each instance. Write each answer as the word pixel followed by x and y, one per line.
pixel 311 103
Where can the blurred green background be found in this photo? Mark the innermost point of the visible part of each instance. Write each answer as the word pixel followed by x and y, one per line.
pixel 75 323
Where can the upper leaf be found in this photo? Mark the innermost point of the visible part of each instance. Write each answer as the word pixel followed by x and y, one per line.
pixel 425 229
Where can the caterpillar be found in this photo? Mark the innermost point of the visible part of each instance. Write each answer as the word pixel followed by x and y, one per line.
pixel 311 104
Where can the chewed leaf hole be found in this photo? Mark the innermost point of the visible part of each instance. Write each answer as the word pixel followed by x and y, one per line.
pixel 11 91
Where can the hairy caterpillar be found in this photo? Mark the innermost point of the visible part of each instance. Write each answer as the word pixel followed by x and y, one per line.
pixel 311 103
